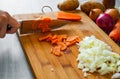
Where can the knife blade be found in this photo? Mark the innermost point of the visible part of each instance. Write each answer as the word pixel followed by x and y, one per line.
pixel 27 25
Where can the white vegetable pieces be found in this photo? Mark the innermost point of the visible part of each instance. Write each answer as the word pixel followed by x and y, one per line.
pixel 96 56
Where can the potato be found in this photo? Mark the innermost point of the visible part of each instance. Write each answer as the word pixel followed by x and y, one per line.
pixel 109 3
pixel 68 5
pixel 88 5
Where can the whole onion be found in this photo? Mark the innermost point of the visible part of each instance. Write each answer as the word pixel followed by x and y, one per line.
pixel 94 13
pixel 105 22
pixel 114 13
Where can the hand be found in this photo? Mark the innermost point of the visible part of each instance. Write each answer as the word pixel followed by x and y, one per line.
pixel 6 19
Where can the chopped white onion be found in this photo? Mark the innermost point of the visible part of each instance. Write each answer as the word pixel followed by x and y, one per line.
pixel 116 75
pixel 97 56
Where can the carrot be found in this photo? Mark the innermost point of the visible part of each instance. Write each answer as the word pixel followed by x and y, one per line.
pixel 56 51
pixel 61 42
pixel 70 43
pixel 46 29
pixel 58 38
pixel 47 20
pixel 44 25
pixel 45 37
pixel 72 40
pixel 62 45
pixel 115 33
pixel 68 16
pixel 34 24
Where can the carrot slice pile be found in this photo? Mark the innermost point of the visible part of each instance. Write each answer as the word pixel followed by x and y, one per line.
pixel 72 40
pixel 61 42
pixel 68 16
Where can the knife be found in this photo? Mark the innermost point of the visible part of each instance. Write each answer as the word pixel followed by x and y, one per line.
pixel 27 25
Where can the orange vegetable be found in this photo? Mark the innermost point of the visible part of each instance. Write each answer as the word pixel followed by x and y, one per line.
pixel 61 42
pixel 45 37
pixel 56 51
pixel 62 45
pixel 47 20
pixel 58 38
pixel 44 25
pixel 70 43
pixel 46 29
pixel 34 24
pixel 72 40
pixel 115 33
pixel 68 16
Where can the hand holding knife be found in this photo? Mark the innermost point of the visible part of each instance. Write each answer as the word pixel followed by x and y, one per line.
pixel 8 24
pixel 26 25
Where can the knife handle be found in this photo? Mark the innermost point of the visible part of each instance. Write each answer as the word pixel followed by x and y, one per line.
pixel 9 27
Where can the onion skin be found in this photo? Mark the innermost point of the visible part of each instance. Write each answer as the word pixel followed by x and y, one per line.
pixel 114 13
pixel 105 22
pixel 94 13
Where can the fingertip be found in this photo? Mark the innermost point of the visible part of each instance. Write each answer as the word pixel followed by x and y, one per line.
pixel 2 35
pixel 13 22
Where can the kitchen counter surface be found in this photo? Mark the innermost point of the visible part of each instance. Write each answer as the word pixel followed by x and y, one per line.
pixel 13 63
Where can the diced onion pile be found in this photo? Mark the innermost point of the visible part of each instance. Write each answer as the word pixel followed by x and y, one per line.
pixel 96 56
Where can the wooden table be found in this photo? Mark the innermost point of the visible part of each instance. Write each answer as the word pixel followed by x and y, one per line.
pixel 13 63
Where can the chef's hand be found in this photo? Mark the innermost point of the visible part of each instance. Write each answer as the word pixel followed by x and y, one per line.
pixel 6 19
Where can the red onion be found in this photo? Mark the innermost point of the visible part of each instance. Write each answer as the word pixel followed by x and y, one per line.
pixel 105 22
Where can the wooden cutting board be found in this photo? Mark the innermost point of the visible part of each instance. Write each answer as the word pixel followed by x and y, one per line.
pixel 48 66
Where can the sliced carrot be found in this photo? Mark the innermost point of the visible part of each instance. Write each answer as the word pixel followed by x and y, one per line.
pixel 68 16
pixel 34 24
pixel 72 38
pixel 56 51
pixel 62 37
pixel 47 20
pixel 61 42
pixel 70 43
pixel 54 41
pixel 43 25
pixel 46 29
pixel 62 45
pixel 54 37
pixel 77 39
pixel 58 38
pixel 45 37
